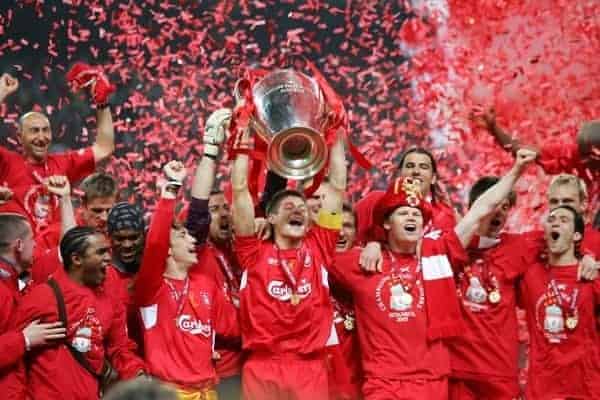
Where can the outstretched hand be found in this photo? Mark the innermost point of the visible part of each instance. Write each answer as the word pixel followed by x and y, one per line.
pixel 58 185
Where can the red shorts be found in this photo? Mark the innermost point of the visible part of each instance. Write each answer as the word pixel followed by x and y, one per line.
pixel 417 389
pixel 345 375
pixel 289 377
pixel 489 388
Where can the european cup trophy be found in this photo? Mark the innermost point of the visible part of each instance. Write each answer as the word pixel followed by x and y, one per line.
pixel 290 116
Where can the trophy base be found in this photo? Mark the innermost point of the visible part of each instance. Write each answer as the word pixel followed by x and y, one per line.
pixel 297 153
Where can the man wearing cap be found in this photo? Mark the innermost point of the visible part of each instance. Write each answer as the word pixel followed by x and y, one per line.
pixel 407 312
pixel 24 174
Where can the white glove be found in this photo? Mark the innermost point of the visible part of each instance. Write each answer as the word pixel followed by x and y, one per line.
pixel 215 131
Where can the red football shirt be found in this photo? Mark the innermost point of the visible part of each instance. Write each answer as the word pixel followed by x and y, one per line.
pixel 179 317
pixel 269 321
pixel 563 362
pixel 489 345
pixel 226 274
pixel 24 178
pixel 393 333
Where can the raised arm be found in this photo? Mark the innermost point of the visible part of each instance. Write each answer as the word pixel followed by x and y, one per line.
pixel 198 219
pixel 156 249
pixel 243 207
pixel 59 185
pixel 333 201
pixel 488 201
pixel 91 78
pixel 105 138
pixel 488 121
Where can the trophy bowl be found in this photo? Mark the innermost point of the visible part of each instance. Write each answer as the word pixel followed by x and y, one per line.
pixel 290 116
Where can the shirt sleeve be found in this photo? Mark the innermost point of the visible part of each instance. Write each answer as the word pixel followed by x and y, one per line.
pixel 364 215
pixel 77 164
pixel 247 249
pixel 324 235
pixel 198 220
pixel 120 349
pixel 12 341
pixel 344 268
pixel 156 251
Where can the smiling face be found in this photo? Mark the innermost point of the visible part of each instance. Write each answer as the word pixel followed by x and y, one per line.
pixel 220 222
pixel 183 247
pixel 127 245
pixel 559 231
pixel 94 260
pixel 35 135
pixel 404 224
pixel 290 218
pixel 347 233
pixel 420 167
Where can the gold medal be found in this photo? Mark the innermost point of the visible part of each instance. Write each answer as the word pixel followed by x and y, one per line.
pixel 295 299
pixel 494 296
pixel 349 323
pixel 571 323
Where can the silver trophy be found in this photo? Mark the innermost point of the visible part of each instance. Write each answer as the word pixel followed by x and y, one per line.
pixel 290 116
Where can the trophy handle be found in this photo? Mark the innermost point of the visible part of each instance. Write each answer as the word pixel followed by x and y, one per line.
pixel 240 86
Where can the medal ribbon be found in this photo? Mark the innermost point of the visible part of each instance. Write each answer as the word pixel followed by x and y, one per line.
pixel 556 294
pixel 488 278
pixel 231 278
pixel 286 269
pixel 179 298
pixel 407 285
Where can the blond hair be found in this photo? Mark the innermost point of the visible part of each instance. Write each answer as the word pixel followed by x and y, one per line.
pixel 569 179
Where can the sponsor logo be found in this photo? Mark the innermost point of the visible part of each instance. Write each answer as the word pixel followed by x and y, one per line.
pixel 187 324
pixel 283 292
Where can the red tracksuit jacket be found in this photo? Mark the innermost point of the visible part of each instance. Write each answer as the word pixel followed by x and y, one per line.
pixel 12 341
pixel 96 327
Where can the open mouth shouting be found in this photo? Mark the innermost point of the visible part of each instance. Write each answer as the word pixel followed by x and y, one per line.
pixel 410 228
pixel 297 220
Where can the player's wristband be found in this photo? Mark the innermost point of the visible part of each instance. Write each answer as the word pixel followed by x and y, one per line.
pixel 211 150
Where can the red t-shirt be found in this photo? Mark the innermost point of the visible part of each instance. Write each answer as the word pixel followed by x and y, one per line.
pixel 489 345
pixel 269 321
pixel 180 317
pixel 392 333
pixel 226 274
pixel 24 178
pixel 563 363
pixel 442 216
pixel 96 328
